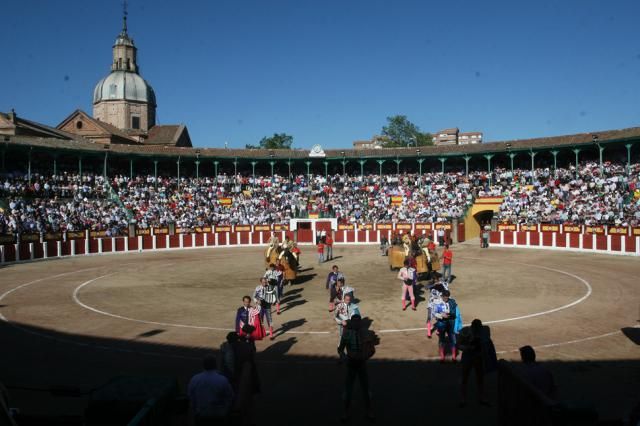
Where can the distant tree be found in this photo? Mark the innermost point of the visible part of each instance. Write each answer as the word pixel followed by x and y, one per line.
pixel 400 132
pixel 277 141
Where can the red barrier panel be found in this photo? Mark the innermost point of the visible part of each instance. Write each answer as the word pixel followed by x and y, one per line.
pixel 534 239
pixel 338 237
pixel 81 247
pixel 133 243
pixel 290 235
pixel 547 239
pixel 561 240
pixel 494 237
pixel 601 242
pixel 222 238
pixel 161 241
pixel 351 237
pixel 508 237
pixel 630 246
pixel 587 241
pixel 106 245
pixel 25 254
pixel 174 241
pixel 265 237
pixel 66 248
pixel 147 242
pixel 521 238
pixel 120 244
pixel 362 236
pixel 616 242
pixel 52 248
pixel 255 237
pixel 244 237
pixel 93 245
pixel 373 236
pixel 233 238
pixel 38 250
pixel 574 240
pixel 9 253
pixel 211 239
pixel 199 239
pixel 187 240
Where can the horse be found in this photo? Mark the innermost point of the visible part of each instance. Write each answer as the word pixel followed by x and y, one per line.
pixel 273 256
pixel 290 267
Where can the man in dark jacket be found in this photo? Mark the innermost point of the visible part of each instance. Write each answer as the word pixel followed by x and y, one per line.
pixel 358 350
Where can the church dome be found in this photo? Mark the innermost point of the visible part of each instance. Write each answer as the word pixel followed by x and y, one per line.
pixel 124 85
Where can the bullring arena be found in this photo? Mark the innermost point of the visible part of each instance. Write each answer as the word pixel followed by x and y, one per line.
pixel 78 321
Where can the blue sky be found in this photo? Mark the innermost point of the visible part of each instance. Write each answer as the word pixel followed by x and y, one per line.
pixel 330 72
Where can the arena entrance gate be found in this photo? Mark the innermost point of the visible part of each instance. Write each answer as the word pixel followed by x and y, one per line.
pixel 306 229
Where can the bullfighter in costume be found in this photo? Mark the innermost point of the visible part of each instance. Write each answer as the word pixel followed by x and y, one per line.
pixel 344 311
pixel 248 321
pixel 266 295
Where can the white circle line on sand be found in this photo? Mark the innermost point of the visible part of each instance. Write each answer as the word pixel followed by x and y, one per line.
pixel 77 300
pixel 536 314
pixel 8 292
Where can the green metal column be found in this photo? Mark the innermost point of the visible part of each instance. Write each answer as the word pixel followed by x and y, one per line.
pixel 178 172
pixel 576 151
pixel 3 160
pixel 628 146
pixel 253 171
pixel 420 160
pixel 533 155
pixel 326 169
pixel 80 167
pixel 362 167
pixel 308 163
pixel 235 171
pixel 512 155
pixel 442 161
pixel 555 160
pixel 489 157
pixel 215 168
pixel 29 165
pixel 397 161
pixel 289 166
pixel 55 165
pixel 466 164
pixel 380 163
pixel 600 151
pixel 272 163
pixel 344 167
pixel 104 166
pixel 155 173
pixel 197 169
pixel 131 168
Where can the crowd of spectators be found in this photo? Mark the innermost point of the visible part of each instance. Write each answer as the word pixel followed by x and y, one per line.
pixel 608 195
pixel 593 196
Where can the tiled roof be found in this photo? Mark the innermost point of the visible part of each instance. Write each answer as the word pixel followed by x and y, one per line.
pixel 566 141
pixel 164 135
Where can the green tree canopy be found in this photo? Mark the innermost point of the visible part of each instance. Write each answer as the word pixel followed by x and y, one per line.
pixel 277 141
pixel 399 131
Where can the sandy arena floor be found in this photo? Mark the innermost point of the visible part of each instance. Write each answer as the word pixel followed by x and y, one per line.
pixel 83 320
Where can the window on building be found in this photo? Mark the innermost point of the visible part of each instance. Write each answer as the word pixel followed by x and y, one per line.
pixel 78 125
pixel 135 122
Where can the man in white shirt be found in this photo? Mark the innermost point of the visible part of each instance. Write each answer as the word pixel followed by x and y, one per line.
pixel 210 394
